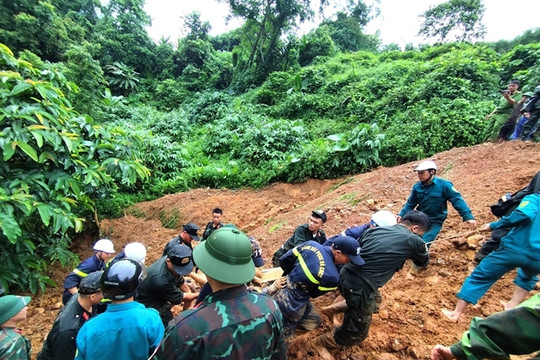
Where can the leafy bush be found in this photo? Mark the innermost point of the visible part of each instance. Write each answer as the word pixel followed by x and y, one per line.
pixel 54 161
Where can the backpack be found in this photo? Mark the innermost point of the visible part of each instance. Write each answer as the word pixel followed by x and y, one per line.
pixel 530 104
pixel 509 202
pixel 506 204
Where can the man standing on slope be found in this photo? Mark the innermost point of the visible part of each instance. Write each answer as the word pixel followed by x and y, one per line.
pixel 431 195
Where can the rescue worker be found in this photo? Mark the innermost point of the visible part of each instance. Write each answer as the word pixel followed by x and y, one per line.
pixel 380 218
pixel 510 332
pixel 519 248
pixel 384 250
pixel 188 234
pixel 231 323
pixel 431 195
pixel 103 252
pixel 161 288
pixel 496 235
pixel 305 232
pixel 311 272
pixel 217 215
pixel 13 345
pixel 60 342
pixel 126 330
pixel 134 250
pixel 258 261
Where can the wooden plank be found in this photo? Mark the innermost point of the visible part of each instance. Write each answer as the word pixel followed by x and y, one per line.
pixel 269 275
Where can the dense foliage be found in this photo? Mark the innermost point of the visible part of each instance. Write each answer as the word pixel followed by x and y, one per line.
pixel 95 116
pixel 54 163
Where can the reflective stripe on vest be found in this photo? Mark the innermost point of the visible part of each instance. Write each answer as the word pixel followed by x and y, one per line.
pixel 308 273
pixel 80 273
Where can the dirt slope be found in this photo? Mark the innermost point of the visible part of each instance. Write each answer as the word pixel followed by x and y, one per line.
pixel 409 322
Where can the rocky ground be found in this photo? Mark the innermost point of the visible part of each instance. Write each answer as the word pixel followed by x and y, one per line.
pixel 410 322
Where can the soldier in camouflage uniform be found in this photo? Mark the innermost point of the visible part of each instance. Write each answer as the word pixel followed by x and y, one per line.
pixel 13 346
pixel 231 323
pixel 498 336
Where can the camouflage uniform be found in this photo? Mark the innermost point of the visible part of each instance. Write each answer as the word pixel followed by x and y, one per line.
pixel 499 335
pixel 13 346
pixel 230 324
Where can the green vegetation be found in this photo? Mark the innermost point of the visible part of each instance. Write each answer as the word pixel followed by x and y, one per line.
pixel 170 220
pixel 97 117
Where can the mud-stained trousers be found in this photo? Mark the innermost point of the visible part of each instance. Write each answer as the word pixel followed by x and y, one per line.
pixel 296 308
pixel 361 302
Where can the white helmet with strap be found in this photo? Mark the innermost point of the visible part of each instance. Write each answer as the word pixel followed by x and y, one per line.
pixel 426 165
pixel 104 245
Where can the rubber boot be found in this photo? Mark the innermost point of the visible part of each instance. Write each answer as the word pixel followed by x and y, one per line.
pixel 331 310
pixel 322 343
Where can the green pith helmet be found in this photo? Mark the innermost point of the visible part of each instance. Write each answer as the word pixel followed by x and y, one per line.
pixel 226 256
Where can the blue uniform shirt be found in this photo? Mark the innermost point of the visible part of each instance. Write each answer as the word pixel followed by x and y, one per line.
pixel 432 200
pixel 82 270
pixel 354 231
pixel 312 266
pixel 126 331
pixel 525 222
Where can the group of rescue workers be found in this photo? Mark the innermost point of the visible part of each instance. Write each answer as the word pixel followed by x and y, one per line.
pixel 224 316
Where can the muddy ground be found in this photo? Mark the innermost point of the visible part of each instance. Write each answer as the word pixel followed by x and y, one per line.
pixel 409 323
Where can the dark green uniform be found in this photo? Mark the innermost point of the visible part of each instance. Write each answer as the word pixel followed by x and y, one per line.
pixel 514 332
pixel 159 290
pixel 209 229
pixel 230 324
pixel 300 236
pixel 385 250
pixel 502 113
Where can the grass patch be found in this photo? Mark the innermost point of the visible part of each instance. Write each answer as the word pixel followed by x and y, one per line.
pixel 345 181
pixel 276 227
pixel 170 221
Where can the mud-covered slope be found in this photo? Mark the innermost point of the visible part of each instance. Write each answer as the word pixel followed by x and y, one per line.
pixel 409 322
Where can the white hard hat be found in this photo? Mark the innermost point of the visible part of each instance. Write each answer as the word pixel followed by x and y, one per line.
pixel 104 245
pixel 384 218
pixel 426 165
pixel 135 251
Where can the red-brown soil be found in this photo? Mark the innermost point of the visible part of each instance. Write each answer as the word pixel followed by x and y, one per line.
pixel 409 323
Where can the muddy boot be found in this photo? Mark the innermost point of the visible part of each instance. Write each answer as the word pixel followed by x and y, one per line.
pixel 415 269
pixel 324 342
pixel 331 310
